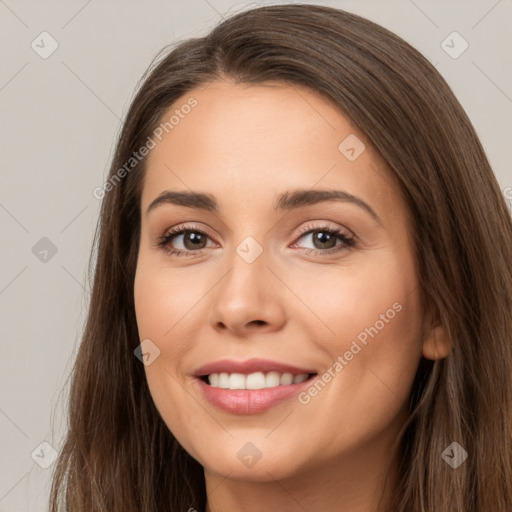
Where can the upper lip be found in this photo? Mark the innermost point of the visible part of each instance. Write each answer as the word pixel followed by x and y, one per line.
pixel 249 366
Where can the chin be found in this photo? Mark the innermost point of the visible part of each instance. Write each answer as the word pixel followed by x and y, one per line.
pixel 255 462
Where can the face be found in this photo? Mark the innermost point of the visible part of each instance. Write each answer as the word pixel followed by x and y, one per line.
pixel 288 323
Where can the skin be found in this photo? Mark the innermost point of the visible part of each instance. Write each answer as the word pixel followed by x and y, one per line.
pixel 245 145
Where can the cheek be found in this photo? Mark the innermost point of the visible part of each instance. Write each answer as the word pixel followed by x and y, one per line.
pixel 374 315
pixel 155 303
pixel 161 306
pixel 377 298
pixel 164 298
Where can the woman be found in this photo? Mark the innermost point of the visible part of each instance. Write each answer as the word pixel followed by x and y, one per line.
pixel 302 295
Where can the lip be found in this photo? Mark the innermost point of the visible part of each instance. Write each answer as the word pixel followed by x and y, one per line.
pixel 249 366
pixel 249 401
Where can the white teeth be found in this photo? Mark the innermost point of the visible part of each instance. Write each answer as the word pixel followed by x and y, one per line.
pixel 286 379
pixel 214 379
pixel 257 380
pixel 223 381
pixel 272 379
pixel 237 381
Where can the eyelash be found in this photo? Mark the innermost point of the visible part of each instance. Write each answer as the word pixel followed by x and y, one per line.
pixel 347 241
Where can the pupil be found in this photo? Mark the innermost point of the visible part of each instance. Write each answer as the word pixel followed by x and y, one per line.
pixel 194 239
pixel 324 238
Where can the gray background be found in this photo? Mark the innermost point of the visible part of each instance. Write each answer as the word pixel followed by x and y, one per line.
pixel 60 117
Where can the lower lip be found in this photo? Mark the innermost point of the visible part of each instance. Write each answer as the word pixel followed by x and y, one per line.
pixel 250 401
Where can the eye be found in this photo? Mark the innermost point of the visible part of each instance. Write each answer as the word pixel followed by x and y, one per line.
pixel 325 240
pixel 191 238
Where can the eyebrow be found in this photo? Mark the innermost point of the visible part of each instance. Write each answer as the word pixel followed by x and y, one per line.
pixel 285 202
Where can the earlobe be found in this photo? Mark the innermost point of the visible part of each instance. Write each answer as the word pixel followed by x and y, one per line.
pixel 437 344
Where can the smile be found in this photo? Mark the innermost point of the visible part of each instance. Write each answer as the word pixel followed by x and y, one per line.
pixel 257 380
pixel 252 386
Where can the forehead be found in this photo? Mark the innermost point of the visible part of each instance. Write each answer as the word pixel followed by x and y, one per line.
pixel 249 143
pixel 259 119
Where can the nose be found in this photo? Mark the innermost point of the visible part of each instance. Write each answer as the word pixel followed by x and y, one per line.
pixel 249 298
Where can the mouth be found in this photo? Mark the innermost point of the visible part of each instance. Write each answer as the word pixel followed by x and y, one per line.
pixel 255 380
pixel 252 386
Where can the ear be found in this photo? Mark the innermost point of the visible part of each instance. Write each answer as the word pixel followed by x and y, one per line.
pixel 436 343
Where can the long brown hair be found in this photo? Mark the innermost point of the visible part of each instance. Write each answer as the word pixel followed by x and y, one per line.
pixel 119 455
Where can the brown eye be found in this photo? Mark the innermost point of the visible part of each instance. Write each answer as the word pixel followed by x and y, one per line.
pixel 183 242
pixel 324 240
pixel 194 240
